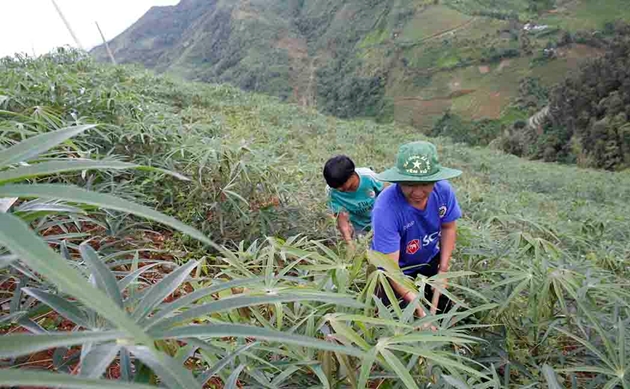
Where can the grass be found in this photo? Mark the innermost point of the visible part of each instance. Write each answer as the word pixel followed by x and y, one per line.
pixel 492 91
pixel 476 6
pixel 588 14
pixel 541 258
pixel 432 21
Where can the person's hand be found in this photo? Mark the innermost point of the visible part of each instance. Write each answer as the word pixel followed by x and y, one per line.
pixel 440 283
pixel 425 326
pixel 420 312
pixel 351 246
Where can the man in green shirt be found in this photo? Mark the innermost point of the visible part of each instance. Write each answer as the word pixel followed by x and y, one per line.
pixel 351 195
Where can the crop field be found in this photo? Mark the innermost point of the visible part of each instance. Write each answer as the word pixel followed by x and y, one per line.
pixel 162 233
pixel 432 21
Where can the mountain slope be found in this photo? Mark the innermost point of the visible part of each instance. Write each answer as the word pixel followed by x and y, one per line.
pixel 405 59
pixel 541 261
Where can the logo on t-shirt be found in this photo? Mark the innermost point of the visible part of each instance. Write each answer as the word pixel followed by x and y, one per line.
pixel 413 247
pixel 371 194
pixel 442 210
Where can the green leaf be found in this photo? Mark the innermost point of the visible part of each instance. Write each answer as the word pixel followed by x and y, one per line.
pixel 29 378
pixel 621 339
pixel 6 203
pixel 172 374
pixel 125 365
pixel 241 301
pixel 98 359
pixel 589 346
pixel 399 368
pixel 12 346
pixel 441 358
pixel 59 166
pixel 613 382
pixel 245 331
pixel 234 194
pixel 184 301
pixel 588 369
pixel 372 320
pixel 349 334
pixel 280 378
pixel 550 377
pixel 233 378
pixel 162 171
pixel 105 279
pixel 517 290
pixel 36 145
pixel 217 367
pixel 33 251
pixel 131 277
pixel 319 372
pixel 62 306
pixel 162 289
pixel 366 367
pixel 391 295
pixel 456 383
pixel 78 195
pixel 429 336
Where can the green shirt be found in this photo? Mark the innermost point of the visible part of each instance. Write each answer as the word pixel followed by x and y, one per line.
pixel 358 204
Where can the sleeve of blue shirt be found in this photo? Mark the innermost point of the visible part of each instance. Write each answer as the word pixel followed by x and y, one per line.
pixel 453 212
pixel 386 236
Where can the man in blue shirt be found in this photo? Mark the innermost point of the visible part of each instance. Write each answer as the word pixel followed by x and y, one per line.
pixel 414 221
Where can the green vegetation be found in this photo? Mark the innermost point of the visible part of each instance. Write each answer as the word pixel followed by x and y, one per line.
pixel 355 58
pixel 434 20
pixel 588 14
pixel 254 290
pixel 587 121
pixel 474 133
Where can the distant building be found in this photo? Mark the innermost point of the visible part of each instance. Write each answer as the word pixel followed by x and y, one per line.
pixel 535 27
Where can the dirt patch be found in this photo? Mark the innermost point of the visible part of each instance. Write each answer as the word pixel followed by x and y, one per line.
pixel 484 69
pixel 504 64
pixel 575 53
pixel 491 106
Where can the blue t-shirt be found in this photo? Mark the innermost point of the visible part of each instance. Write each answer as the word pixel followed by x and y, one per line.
pixel 398 226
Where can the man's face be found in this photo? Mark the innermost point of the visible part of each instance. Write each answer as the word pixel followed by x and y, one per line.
pixel 351 185
pixel 417 192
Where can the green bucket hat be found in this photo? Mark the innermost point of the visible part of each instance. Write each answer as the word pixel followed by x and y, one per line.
pixel 418 162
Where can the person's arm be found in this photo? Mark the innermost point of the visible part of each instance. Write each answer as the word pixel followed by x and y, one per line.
pixel 344 226
pixel 447 245
pixel 407 294
pixel 341 216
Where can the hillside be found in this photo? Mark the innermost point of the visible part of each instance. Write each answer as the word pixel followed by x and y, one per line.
pixel 406 59
pixel 540 271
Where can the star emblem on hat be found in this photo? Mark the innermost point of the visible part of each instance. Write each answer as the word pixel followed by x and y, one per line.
pixel 418 164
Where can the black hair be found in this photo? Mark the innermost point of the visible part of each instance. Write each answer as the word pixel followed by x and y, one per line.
pixel 338 170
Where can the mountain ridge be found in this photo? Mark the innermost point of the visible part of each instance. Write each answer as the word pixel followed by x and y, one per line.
pixel 382 59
